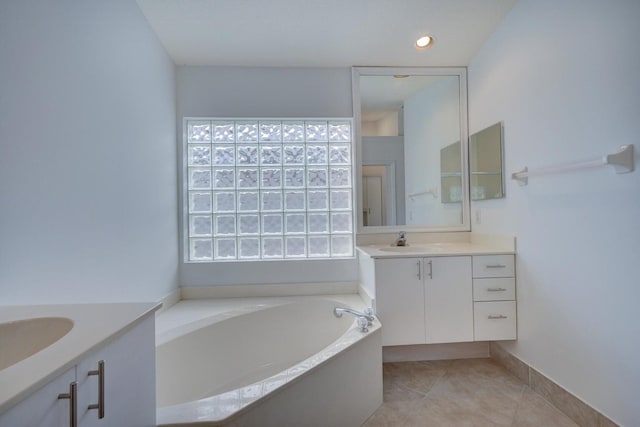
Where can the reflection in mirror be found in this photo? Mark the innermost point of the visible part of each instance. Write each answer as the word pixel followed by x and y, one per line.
pixel 485 160
pixel 408 116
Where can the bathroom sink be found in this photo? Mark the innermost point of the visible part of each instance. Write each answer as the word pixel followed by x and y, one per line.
pixel 23 338
pixel 412 249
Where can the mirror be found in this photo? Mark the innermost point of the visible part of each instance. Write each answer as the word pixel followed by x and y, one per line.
pixel 485 162
pixel 409 123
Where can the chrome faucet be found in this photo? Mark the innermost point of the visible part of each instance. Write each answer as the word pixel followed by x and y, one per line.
pixel 402 239
pixel 364 319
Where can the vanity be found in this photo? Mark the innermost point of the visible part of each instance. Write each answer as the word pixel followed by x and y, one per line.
pixel 77 365
pixel 436 292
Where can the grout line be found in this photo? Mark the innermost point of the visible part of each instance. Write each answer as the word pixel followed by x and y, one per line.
pixel 515 413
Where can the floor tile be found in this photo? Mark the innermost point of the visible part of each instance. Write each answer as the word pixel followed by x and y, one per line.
pixel 534 411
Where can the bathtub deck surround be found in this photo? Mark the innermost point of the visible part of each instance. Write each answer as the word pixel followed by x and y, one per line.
pixel 287 361
pixel 118 334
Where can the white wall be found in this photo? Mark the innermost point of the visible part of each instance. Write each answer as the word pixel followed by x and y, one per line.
pixel 431 122
pixel 88 208
pixel 563 75
pixel 264 92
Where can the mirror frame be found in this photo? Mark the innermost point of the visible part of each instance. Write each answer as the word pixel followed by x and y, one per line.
pixel 461 73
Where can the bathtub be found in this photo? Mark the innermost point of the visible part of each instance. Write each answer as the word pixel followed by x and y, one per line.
pixel 266 362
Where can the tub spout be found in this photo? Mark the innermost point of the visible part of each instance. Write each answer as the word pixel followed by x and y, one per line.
pixel 364 319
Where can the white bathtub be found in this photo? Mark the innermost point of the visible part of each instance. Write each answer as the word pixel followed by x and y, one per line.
pixel 266 362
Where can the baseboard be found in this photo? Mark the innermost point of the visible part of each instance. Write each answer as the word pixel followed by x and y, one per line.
pixel 411 353
pixel 579 411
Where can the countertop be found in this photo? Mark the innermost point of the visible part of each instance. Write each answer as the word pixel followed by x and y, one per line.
pixel 474 245
pixel 93 326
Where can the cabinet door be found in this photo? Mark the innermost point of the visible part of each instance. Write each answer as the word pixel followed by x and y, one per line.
pixel 400 300
pixel 448 299
pixel 129 380
pixel 43 408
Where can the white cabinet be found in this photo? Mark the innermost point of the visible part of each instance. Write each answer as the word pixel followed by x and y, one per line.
pixel 424 300
pixel 494 296
pixel 128 387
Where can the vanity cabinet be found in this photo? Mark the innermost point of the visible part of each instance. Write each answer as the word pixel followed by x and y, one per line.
pixel 494 296
pixel 128 387
pixel 424 300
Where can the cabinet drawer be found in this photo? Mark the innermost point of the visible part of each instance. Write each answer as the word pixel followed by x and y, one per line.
pixel 493 266
pixel 494 320
pixel 494 289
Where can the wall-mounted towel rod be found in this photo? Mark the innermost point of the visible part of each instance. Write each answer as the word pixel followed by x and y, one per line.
pixel 622 161
pixel 433 191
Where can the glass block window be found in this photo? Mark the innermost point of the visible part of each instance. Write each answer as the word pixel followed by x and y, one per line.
pixel 260 189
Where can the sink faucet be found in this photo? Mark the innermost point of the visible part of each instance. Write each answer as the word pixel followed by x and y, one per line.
pixel 364 319
pixel 402 239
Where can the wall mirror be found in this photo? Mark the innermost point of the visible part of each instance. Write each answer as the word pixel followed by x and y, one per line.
pixel 486 164
pixel 409 124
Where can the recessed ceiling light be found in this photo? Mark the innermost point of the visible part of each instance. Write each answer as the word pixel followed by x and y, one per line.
pixel 424 42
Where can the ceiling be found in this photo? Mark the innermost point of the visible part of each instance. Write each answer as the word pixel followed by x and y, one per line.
pixel 322 33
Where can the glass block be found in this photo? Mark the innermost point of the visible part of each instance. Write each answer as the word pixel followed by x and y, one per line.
pixel 317 177
pixel 340 199
pixel 248 178
pixel 224 178
pixel 340 177
pixel 272 201
pixel 293 131
pixel 199 178
pixel 342 245
pixel 339 131
pixel 270 131
pixel 271 178
pixel 248 224
pixel 317 200
pixel 272 247
pixel 318 223
pixel 294 223
pixel 318 246
pixel 198 131
pixel 225 201
pixel 316 131
pixel 225 155
pixel 247 131
pixel 272 224
pixel 200 225
pixel 199 202
pixel 225 248
pixel 296 247
pixel 341 222
pixel 271 155
pixel 199 155
pixel 248 201
pixel 317 154
pixel 225 225
pixel 294 200
pixel 200 250
pixel 223 131
pixel 293 154
pixel 340 154
pixel 294 177
pixel 249 247
pixel 248 155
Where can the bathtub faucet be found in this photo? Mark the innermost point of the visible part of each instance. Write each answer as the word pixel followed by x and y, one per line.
pixel 364 319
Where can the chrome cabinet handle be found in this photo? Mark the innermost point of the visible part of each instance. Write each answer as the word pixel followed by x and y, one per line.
pixel 494 317
pixel 495 266
pixel 73 403
pixel 100 405
pixel 430 269
pixel 419 275
pixel 496 289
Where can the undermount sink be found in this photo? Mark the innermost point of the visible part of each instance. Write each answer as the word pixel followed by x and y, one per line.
pixel 412 248
pixel 23 338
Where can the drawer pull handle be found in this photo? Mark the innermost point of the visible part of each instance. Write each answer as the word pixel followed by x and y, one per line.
pixel 100 405
pixel 73 403
pixel 496 289
pixel 495 266
pixel 494 317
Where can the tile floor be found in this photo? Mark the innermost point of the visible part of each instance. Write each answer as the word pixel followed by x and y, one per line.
pixel 459 393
